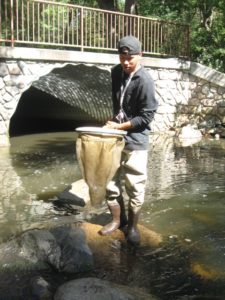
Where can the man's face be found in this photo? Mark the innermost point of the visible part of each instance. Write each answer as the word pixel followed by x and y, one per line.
pixel 129 62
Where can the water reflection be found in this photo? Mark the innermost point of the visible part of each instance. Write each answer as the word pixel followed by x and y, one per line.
pixel 185 202
pixel 35 168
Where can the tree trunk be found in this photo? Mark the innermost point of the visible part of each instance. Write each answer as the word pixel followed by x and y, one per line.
pixel 206 11
pixel 108 5
pixel 131 23
pixel 131 7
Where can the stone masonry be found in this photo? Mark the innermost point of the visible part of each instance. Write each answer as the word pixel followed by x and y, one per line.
pixel 15 78
pixel 187 99
pixel 187 92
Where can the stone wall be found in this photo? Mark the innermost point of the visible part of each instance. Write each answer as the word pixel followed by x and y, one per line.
pixel 187 92
pixel 15 78
pixel 187 99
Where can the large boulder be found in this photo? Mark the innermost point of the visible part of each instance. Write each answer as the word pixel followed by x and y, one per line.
pixel 98 242
pixel 96 289
pixel 64 248
pixel 76 255
pixel 40 246
pixel 77 249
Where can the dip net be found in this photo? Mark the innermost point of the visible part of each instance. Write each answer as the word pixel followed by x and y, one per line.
pixel 99 158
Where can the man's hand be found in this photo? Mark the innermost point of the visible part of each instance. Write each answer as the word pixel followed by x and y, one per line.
pixel 111 125
pixel 119 126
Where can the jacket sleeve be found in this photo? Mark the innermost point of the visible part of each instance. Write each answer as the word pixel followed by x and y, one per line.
pixel 147 104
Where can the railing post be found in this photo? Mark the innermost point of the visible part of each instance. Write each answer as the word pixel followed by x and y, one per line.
pixel 12 23
pixel 138 28
pixel 82 29
pixel 89 23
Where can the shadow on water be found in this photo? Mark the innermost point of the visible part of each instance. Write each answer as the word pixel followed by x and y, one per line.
pixel 185 203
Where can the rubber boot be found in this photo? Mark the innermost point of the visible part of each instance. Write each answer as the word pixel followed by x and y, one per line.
pixel 115 223
pixel 123 217
pixel 133 234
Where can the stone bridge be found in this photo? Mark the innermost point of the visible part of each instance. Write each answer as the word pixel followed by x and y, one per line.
pixel 53 90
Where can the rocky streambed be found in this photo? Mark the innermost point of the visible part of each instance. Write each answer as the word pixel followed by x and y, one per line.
pixel 70 262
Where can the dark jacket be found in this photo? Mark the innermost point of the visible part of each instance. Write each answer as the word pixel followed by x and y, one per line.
pixel 139 105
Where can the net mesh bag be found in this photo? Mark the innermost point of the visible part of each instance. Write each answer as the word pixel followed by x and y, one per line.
pixel 99 158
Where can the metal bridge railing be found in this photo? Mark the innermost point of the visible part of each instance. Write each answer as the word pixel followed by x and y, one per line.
pixel 48 24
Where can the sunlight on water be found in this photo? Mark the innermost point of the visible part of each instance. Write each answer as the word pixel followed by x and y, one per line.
pixel 185 201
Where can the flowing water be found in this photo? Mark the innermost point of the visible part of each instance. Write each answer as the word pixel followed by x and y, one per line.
pixel 185 203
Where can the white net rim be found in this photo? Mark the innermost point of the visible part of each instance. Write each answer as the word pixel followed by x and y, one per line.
pixel 101 130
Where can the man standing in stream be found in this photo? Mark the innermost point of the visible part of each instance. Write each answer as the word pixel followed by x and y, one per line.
pixel 134 106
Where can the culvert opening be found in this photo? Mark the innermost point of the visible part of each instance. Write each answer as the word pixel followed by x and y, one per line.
pixel 38 112
pixel 62 100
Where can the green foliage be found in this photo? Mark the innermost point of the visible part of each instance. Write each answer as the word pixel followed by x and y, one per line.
pixel 89 3
pixel 206 19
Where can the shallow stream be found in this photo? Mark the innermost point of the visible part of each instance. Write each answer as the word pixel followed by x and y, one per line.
pixel 185 203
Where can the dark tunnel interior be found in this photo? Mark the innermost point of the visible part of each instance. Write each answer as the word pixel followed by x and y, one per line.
pixel 62 100
pixel 39 112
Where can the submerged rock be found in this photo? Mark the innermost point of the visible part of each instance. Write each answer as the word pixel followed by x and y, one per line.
pixel 67 248
pixel 76 194
pixel 64 249
pixel 206 272
pixel 96 289
pixel 189 135
pixel 95 241
pixel 74 249
pixel 40 288
pixel 40 246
